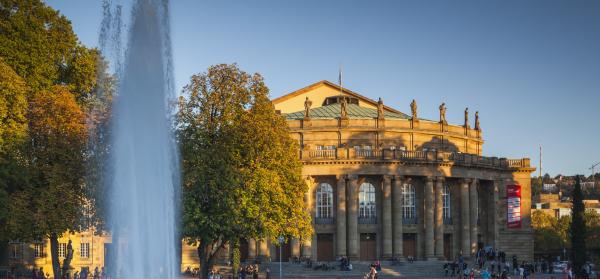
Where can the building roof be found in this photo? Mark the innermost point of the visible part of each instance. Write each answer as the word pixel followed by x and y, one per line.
pixel 336 87
pixel 354 111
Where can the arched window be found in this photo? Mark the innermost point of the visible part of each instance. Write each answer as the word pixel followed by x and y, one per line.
pixel 366 201
pixel 408 202
pixel 446 198
pixel 324 201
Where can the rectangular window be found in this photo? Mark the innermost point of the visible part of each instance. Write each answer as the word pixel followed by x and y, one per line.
pixel 16 250
pixel 62 250
pixel 84 251
pixel 446 213
pixel 38 250
pixel 408 198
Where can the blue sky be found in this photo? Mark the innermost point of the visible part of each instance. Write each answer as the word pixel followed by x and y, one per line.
pixel 531 68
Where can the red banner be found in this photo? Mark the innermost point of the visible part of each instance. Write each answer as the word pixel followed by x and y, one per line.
pixel 513 202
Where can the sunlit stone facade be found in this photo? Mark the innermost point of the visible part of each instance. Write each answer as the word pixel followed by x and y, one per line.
pixel 384 184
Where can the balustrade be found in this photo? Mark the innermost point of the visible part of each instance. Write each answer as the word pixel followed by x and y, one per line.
pixel 414 155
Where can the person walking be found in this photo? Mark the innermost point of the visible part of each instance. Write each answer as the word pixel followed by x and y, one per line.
pixel 255 272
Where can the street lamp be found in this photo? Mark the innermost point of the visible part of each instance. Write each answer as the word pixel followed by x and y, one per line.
pixel 281 240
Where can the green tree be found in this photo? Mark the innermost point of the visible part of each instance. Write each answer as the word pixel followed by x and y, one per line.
pixel 50 203
pixel 13 126
pixel 592 229
pixel 40 45
pixel 550 233
pixel 577 230
pixel 241 173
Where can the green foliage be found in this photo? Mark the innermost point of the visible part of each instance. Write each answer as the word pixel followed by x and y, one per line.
pixel 13 107
pixel 550 233
pixel 241 173
pixel 236 255
pixel 50 203
pixel 50 95
pixel 13 128
pixel 577 231
pixel 40 45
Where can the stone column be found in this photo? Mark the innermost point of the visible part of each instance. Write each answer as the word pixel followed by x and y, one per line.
pixel 352 217
pixel 307 243
pixel 387 217
pixel 495 229
pixel 295 245
pixel 473 201
pixel 340 217
pixel 251 249
pixel 263 252
pixel 465 219
pixel 397 216
pixel 439 221
pixel 429 228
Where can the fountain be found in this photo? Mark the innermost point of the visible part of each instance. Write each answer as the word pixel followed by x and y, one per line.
pixel 144 172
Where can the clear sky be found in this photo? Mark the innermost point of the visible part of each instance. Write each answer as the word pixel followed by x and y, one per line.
pixel 531 68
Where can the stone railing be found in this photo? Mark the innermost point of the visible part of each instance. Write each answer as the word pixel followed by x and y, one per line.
pixel 413 156
pixel 324 221
pixel 322 153
pixel 367 221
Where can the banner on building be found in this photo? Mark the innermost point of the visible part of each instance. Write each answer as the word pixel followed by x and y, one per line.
pixel 513 200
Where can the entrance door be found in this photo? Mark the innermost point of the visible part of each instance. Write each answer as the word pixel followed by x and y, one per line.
pixel 324 247
pixel 243 250
pixel 448 246
pixel 409 245
pixel 285 251
pixel 368 247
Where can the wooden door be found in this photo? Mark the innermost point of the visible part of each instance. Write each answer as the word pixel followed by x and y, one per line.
pixel 243 250
pixel 325 247
pixel 285 252
pixel 368 246
pixel 409 245
pixel 448 246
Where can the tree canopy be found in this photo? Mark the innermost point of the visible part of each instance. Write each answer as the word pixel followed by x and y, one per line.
pixel 50 85
pixel 40 45
pixel 241 174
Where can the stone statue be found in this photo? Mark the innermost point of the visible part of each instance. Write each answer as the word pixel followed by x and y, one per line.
pixel 307 104
pixel 343 108
pixel 413 109
pixel 467 117
pixel 477 120
pixel 443 113
pixel 380 109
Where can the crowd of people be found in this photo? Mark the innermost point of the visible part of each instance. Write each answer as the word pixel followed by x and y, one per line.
pixel 493 264
pixel 84 274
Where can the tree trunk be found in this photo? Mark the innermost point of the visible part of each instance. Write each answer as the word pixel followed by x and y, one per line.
pixel 207 258
pixel 54 255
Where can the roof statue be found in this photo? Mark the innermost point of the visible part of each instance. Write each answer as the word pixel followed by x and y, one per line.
pixel 344 108
pixel 413 109
pixel 380 114
pixel 307 104
pixel 467 117
pixel 443 114
pixel 477 121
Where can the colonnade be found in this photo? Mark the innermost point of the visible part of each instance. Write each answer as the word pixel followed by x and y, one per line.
pixel 430 227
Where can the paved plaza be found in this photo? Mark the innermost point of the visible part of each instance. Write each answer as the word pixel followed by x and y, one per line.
pixel 416 270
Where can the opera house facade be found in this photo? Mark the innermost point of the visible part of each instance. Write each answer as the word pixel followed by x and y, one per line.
pixel 389 185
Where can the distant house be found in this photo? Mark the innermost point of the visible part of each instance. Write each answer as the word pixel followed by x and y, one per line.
pixel 549 187
pixel 552 205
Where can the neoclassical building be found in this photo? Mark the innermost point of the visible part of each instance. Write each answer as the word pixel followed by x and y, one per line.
pixel 384 184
